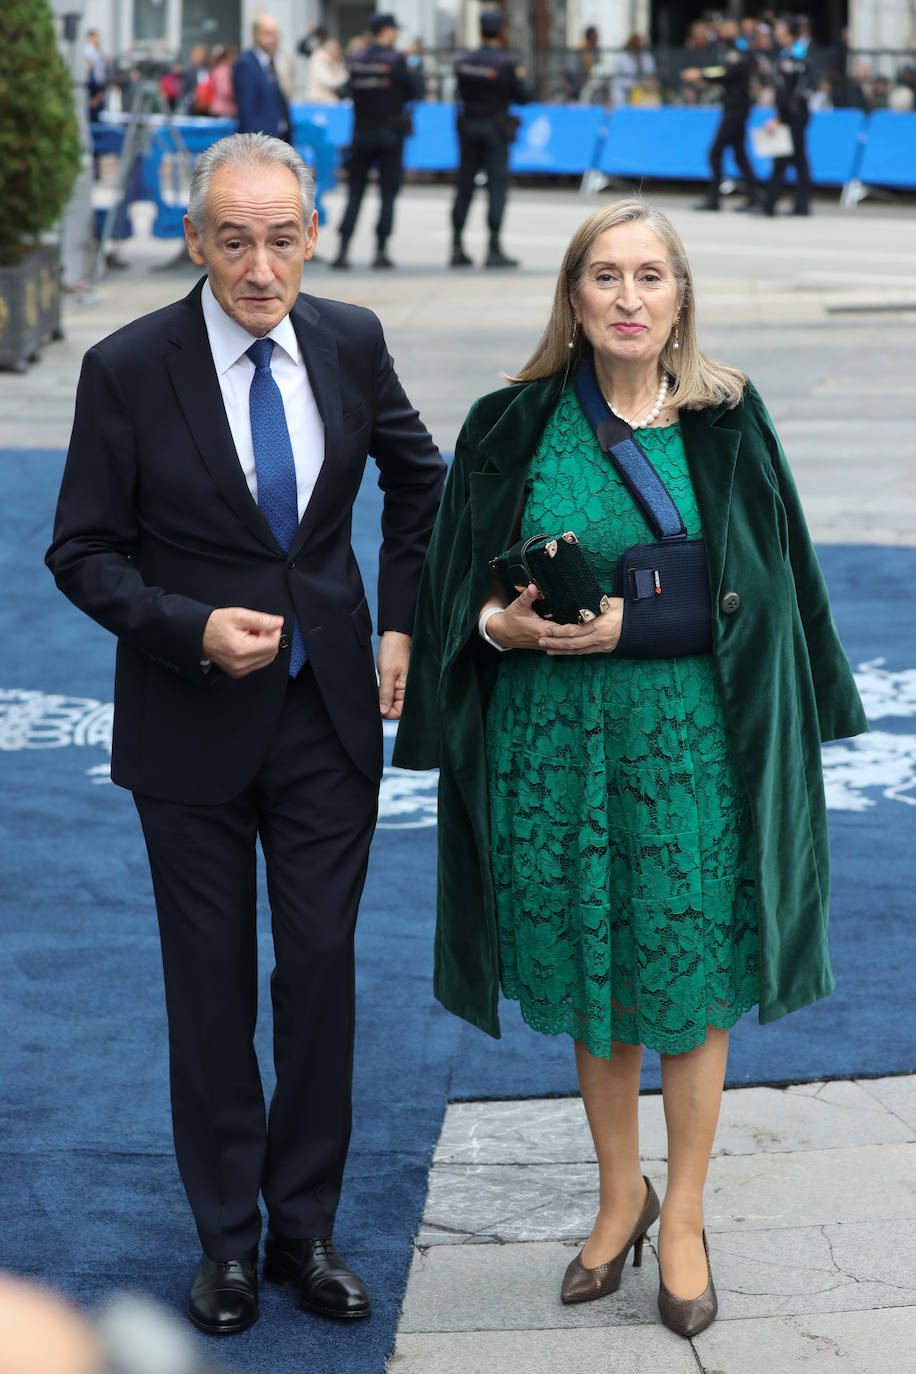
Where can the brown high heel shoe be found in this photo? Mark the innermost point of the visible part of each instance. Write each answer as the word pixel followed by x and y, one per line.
pixel 582 1285
pixel 688 1316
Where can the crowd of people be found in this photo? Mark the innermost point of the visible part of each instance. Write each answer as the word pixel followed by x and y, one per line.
pixel 633 74
pixel 638 75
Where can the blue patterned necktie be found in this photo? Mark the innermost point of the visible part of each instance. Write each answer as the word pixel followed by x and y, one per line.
pixel 274 466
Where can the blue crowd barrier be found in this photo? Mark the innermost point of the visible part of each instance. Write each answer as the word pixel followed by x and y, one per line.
pixel 106 139
pixel 433 145
pixel 335 123
pixel 833 144
pixel 557 140
pixel 889 156
pixel 553 140
pixel 671 142
pixel 312 138
pixel 668 142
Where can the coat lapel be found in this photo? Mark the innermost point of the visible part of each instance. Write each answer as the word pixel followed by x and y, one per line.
pixel 197 389
pixel 497 484
pixel 711 446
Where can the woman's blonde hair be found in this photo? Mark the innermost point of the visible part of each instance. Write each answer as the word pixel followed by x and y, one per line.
pixel 698 382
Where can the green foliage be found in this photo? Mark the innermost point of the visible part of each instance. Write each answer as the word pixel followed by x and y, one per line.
pixel 39 134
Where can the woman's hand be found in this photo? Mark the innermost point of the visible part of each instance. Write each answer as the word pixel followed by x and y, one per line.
pixel 598 636
pixel 520 627
pixel 517 626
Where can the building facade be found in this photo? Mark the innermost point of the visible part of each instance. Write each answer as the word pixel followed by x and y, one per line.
pixel 165 28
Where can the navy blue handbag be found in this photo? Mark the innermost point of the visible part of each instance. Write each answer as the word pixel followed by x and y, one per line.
pixel 667 610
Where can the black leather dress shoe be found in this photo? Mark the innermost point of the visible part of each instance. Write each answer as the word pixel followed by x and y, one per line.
pixel 324 1282
pixel 224 1295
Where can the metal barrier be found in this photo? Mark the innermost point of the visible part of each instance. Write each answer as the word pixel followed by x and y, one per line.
pixel 847 148
pixel 162 170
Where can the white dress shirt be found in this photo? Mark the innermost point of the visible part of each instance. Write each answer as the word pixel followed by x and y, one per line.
pixel 228 344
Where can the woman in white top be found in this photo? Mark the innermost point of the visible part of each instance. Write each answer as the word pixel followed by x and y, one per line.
pixel 327 73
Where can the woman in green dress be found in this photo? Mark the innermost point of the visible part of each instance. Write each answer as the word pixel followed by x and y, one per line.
pixel 627 832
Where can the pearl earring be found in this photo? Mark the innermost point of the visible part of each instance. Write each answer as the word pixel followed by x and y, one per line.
pixel 575 331
pixel 676 343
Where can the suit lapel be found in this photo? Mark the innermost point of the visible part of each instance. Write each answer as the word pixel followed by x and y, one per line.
pixel 197 389
pixel 319 353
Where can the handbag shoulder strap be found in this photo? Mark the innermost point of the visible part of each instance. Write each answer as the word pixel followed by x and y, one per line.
pixel 620 444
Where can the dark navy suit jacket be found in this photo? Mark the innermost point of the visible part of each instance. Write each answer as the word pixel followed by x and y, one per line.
pixel 156 527
pixel 262 106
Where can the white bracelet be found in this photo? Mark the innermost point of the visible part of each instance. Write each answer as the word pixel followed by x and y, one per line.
pixel 482 627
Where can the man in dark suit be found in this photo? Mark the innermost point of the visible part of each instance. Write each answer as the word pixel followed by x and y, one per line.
pixel 262 104
pixel 204 518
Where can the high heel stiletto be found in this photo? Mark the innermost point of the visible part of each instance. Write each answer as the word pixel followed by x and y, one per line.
pixel 688 1316
pixel 583 1285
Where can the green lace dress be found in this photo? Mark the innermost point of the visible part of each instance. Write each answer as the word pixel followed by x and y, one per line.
pixel 621 842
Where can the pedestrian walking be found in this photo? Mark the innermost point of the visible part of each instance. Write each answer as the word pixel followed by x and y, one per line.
pixel 204 518
pixel 632 823
pixel 381 86
pixel 489 81
pixel 733 69
pixel 791 89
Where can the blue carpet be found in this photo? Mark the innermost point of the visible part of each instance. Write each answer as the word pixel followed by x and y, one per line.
pixel 90 1194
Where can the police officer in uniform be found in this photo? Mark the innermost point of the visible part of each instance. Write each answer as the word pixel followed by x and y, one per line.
pixel 733 70
pixel 381 85
pixel 489 81
pixel 791 84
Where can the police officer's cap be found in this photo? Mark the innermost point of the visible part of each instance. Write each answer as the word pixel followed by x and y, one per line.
pixel 492 23
pixel 377 22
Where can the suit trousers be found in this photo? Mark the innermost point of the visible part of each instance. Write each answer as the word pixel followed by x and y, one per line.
pixel 483 148
pixel 798 160
pixel 314 814
pixel 731 134
pixel 384 149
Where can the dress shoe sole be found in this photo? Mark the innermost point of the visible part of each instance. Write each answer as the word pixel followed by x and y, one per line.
pixel 223 1328
pixel 355 1314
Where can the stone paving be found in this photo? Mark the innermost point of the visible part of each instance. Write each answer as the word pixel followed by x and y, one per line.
pixel 809 1207
pixel 811 1204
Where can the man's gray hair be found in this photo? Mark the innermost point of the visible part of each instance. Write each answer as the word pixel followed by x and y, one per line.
pixel 247 150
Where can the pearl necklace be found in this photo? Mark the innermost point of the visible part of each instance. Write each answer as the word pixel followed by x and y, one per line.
pixel 653 413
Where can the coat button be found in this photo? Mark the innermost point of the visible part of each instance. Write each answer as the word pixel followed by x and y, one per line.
pixel 729 603
pixel 291 563
pixel 284 641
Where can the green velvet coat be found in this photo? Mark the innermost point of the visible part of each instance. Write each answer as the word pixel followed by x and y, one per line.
pixel 786 683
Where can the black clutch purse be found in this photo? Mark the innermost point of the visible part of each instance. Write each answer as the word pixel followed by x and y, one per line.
pixel 568 587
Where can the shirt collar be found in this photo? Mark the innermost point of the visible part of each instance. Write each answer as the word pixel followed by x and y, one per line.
pixel 263 57
pixel 229 340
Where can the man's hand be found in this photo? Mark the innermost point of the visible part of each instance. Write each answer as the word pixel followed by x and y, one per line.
pixel 241 641
pixel 393 660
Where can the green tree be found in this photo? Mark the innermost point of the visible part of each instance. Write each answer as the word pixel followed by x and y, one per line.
pixel 39 133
